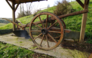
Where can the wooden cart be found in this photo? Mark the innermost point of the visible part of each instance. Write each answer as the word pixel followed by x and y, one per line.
pixel 49 28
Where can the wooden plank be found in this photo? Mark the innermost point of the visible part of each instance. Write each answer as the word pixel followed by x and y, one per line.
pixel 16 7
pixel 81 4
pixel 13 14
pixel 9 4
pixel 84 19
pixel 24 1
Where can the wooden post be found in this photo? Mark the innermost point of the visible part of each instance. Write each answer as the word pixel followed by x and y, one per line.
pixel 84 19
pixel 13 11
pixel 13 15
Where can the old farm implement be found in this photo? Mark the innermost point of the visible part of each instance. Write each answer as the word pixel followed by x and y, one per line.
pixel 46 29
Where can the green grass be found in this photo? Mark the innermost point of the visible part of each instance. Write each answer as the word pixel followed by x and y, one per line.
pixel 11 51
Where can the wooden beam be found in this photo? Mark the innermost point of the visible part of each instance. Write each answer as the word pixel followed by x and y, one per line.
pixel 81 4
pixel 16 7
pixel 13 10
pixel 25 1
pixel 9 4
pixel 84 19
pixel 13 14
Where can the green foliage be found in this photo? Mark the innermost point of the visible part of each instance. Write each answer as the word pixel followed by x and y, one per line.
pixel 47 10
pixel 11 51
pixel 63 8
pixel 7 26
pixel 89 41
pixel 88 37
pixel 26 19
pixel 2 24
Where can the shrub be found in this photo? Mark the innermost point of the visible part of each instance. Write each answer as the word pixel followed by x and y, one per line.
pixel 63 8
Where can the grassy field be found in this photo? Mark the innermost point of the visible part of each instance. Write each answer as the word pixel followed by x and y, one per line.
pixel 11 51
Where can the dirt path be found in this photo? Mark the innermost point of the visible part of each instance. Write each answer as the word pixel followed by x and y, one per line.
pixel 58 52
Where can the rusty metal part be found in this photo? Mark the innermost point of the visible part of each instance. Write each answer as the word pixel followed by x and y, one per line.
pixel 45 31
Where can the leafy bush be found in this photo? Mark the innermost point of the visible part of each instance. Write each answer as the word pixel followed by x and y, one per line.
pixel 11 51
pixel 63 8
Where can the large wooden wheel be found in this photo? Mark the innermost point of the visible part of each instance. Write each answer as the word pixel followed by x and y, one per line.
pixel 43 34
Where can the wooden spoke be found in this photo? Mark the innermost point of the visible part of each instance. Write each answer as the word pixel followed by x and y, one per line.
pixel 36 31
pixel 37 36
pixel 47 41
pixel 55 31
pixel 47 20
pixel 37 25
pixel 42 40
pixel 41 21
pixel 52 38
pixel 51 25
pixel 45 27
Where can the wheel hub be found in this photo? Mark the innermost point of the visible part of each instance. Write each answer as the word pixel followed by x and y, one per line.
pixel 44 31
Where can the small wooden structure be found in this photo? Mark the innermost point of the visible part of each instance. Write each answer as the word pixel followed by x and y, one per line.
pixel 84 18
